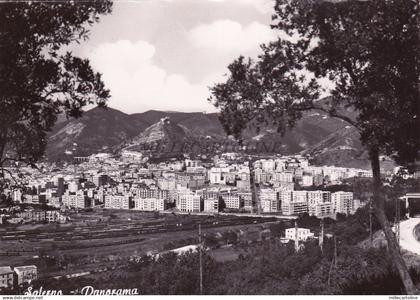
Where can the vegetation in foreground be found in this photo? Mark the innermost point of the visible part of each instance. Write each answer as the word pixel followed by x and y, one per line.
pixel 266 266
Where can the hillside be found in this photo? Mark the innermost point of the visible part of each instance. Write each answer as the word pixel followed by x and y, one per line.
pixel 108 130
pixel 163 136
pixel 97 130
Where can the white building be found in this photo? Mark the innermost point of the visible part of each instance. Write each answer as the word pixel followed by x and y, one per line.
pixel 269 201
pixel 149 204
pixel 342 202
pixel 25 274
pixel 211 205
pixel 215 175
pixel 189 202
pixel 294 202
pixel 307 180
pixel 303 234
pixel 322 210
pixel 268 165
pixel 282 177
pixel 17 196
pixel 117 202
pixel 315 197
pixel 6 277
pixel 231 200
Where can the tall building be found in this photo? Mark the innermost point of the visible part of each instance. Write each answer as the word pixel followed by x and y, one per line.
pixel 76 200
pixel 246 199
pixel 282 177
pixel 189 202
pixel 60 186
pixel 342 202
pixel 211 205
pixel 285 198
pixel 322 210
pixel 319 204
pixel 17 195
pixel 315 197
pixel 294 202
pixel 269 201
pixel 232 200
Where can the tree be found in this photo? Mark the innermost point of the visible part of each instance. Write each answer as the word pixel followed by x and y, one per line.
pixel 37 80
pixel 368 50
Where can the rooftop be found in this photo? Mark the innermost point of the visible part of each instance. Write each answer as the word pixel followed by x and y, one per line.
pixel 25 268
pixel 5 270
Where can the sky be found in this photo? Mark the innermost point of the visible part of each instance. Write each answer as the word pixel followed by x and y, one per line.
pixel 164 54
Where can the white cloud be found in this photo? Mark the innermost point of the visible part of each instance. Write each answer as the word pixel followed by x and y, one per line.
pixel 227 36
pixel 137 84
pixel 263 6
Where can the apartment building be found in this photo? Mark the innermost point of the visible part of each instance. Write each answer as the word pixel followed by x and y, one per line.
pixel 232 200
pixel 211 205
pixel 294 202
pixel 149 204
pixel 189 202
pixel 246 199
pixel 322 210
pixel 25 274
pixel 269 201
pixel 6 277
pixel 343 202
pixel 117 202
pixel 315 197
pixel 282 177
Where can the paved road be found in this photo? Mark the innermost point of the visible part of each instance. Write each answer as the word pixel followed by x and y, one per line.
pixel 407 239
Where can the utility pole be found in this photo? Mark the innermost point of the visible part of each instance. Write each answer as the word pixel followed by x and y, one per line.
pixel 333 261
pixel 201 259
pixel 254 199
pixel 370 222
pixel 321 236
pixel 296 237
pixel 335 251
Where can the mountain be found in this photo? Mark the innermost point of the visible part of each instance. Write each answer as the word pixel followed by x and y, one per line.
pixel 197 123
pixel 97 130
pixel 326 139
pixel 159 137
pixel 340 148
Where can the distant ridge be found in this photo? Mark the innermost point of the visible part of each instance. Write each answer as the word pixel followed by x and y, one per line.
pixel 110 130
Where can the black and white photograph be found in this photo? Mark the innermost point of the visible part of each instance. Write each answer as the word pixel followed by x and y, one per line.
pixel 209 147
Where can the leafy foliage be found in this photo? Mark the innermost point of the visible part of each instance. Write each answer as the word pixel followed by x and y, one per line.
pixel 38 81
pixel 368 50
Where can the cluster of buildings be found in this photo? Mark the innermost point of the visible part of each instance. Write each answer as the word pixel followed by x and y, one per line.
pixel 15 215
pixel 192 186
pixel 11 277
pixel 316 203
pixel 297 170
